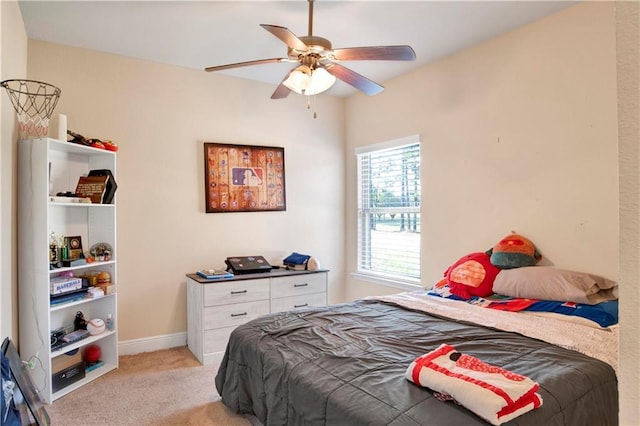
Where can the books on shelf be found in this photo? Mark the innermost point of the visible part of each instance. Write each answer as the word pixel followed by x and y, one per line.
pixel 60 285
pixel 76 335
pixel 214 274
pixel 93 365
pixel 68 297
pixel 69 338
pixel 95 292
pixel 292 267
pixel 70 263
pixel 296 261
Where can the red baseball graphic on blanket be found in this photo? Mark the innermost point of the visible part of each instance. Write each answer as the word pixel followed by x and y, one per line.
pixel 473 363
pixel 491 392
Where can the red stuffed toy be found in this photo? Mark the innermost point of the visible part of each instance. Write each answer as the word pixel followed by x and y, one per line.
pixel 472 275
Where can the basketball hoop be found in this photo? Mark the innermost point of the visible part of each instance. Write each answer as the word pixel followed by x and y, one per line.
pixel 34 102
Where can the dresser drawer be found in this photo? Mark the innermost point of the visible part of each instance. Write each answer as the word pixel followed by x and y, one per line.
pixel 233 315
pixel 227 292
pixel 298 284
pixel 216 340
pixel 298 302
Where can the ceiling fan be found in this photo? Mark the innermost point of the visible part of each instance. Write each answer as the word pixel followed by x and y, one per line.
pixel 319 64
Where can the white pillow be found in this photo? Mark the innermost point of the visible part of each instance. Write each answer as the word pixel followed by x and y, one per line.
pixel 548 283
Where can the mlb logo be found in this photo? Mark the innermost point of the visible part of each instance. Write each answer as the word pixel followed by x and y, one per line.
pixel 247 176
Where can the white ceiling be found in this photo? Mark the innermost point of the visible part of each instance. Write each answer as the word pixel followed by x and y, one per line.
pixel 206 33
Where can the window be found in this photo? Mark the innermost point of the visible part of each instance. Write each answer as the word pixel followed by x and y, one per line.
pixel 389 210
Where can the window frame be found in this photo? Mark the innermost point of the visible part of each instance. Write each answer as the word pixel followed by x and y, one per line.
pixel 382 278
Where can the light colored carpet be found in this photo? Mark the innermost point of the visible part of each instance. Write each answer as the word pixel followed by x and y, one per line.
pixel 167 387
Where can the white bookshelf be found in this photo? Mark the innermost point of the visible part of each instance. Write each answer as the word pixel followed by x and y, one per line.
pixel 46 167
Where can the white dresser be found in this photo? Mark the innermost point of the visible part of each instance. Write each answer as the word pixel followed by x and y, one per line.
pixel 216 307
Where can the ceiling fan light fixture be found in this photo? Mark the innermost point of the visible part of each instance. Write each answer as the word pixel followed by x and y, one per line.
pixel 305 81
pixel 321 80
pixel 299 79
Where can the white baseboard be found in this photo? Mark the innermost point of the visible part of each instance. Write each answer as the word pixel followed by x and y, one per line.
pixel 150 344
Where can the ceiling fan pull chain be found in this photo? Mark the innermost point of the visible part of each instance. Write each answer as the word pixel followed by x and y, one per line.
pixel 315 114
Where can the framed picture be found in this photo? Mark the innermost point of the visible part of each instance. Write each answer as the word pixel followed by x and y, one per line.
pixel 74 247
pixel 243 178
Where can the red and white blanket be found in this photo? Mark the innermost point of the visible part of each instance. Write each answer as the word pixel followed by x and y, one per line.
pixel 495 394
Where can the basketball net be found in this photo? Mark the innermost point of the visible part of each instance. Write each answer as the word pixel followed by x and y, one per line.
pixel 34 102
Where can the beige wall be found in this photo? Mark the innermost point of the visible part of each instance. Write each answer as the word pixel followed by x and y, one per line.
pixel 518 133
pixel 521 133
pixel 160 116
pixel 13 65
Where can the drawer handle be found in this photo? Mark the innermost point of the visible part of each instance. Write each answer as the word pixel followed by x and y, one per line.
pixel 301 306
pixel 239 315
pixel 301 285
pixel 239 292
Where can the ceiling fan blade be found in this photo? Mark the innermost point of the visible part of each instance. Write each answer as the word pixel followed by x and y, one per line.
pixel 372 53
pixel 351 77
pixel 244 64
pixel 282 91
pixel 289 38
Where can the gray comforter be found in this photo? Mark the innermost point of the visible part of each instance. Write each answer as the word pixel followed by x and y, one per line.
pixel 344 365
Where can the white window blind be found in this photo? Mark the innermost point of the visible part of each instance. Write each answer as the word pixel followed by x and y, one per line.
pixel 389 209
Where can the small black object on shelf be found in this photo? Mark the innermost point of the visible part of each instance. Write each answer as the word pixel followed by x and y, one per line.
pixel 66 194
pixel 79 323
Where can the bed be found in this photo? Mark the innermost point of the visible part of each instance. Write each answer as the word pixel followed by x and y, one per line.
pixel 345 364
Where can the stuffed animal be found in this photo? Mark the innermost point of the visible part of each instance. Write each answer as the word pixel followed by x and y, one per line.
pixel 514 251
pixel 472 275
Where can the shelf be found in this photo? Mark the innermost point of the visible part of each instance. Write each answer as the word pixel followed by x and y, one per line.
pixel 85 266
pixel 58 145
pixel 79 302
pixel 81 343
pixel 46 166
pixel 90 376
pixel 92 205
